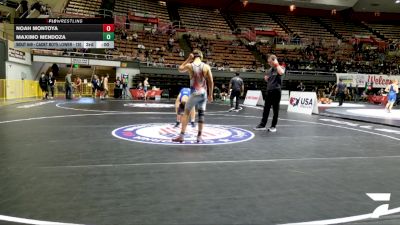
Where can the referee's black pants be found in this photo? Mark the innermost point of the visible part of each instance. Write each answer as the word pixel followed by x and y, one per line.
pixel 235 94
pixel 272 99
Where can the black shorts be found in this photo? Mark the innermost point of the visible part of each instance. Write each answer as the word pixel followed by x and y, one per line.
pixel 44 88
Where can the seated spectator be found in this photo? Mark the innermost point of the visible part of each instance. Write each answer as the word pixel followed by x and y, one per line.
pixel 162 50
pixel 129 38
pixel 149 60
pixel 141 46
pixel 161 60
pixel 226 64
pixel 118 83
pixel 171 41
pixel 224 92
pixel 217 92
pixel 140 86
pixel 208 52
pixel 135 36
pixel 123 35
pixel 181 53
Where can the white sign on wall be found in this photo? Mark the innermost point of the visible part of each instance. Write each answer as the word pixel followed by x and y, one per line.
pixel 80 61
pixel 355 79
pixel 18 56
pixel 285 95
pixel 303 102
pixel 254 98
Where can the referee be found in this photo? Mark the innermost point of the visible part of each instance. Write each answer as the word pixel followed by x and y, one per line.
pixel 237 86
pixel 273 78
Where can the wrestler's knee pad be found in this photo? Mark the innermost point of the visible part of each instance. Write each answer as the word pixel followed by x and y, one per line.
pixel 201 115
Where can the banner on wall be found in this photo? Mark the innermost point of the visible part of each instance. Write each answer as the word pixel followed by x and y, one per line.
pixel 18 55
pixel 254 98
pixel 360 80
pixel 14 53
pixel 80 61
pixel 303 102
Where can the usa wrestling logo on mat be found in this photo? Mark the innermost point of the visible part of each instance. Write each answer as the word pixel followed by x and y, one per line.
pixel 161 133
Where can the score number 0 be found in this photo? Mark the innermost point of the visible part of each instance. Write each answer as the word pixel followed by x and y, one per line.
pixel 108 28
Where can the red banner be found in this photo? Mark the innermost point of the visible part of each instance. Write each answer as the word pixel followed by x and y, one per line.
pixel 143 19
pixel 377 99
pixel 139 94
pixel 266 33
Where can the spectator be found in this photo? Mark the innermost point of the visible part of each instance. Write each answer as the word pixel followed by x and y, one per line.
pixel 149 60
pixel 170 43
pixel 181 53
pixel 52 83
pixel 118 83
pixel 123 35
pixel 105 87
pixel 78 86
pixel 135 36
pixel 226 64
pixel 95 84
pixel 43 83
pixel 146 86
pixel 129 38
pixel 301 87
pixel 141 46
pixel 161 60
pixel 224 92
pixel 68 84
pixel 140 86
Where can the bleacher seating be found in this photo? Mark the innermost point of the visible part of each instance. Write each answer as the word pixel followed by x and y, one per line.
pixel 347 29
pixel 143 6
pixel 307 28
pixel 251 20
pixel 208 20
pixel 389 31
pixel 84 8
pixel 236 55
pixel 151 42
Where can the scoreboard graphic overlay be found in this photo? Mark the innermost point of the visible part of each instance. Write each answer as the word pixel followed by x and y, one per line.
pixel 64 33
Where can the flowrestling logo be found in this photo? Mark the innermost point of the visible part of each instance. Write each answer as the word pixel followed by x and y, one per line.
pixel 301 102
pixel 161 133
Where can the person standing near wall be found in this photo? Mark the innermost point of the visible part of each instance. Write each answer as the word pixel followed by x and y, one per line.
pixel 52 84
pixel 146 86
pixel 341 91
pixel 78 86
pixel 43 83
pixel 237 86
pixel 105 86
pixel 68 84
